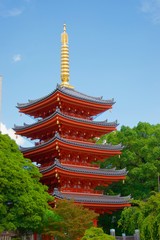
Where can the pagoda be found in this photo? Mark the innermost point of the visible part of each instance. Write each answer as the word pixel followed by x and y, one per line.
pixel 65 148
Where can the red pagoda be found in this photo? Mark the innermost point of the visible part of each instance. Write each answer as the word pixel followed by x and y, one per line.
pixel 66 150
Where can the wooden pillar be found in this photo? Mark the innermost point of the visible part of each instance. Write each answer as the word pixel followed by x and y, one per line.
pixel 35 236
pixel 95 221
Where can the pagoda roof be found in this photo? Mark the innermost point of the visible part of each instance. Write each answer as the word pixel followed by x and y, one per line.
pixel 68 117
pixel 84 170
pixel 80 144
pixel 93 198
pixel 60 146
pixel 68 92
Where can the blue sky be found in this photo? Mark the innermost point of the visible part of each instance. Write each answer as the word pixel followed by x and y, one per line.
pixel 114 52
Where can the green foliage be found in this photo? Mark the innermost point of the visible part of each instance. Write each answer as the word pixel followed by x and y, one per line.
pixel 144 215
pixel 73 221
pixel 96 234
pixel 141 155
pixel 23 199
pixel 110 221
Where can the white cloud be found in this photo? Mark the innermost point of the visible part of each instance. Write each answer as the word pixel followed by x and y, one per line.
pixel 18 139
pixel 17 58
pixel 152 8
pixel 11 12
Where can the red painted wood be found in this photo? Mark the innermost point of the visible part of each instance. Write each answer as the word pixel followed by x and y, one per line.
pixel 70 154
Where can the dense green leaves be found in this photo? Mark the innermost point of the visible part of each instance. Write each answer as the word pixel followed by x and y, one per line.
pixel 144 215
pixel 23 199
pixel 96 234
pixel 141 157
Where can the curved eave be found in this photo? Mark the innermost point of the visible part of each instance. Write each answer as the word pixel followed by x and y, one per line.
pixel 60 143
pixel 81 96
pixel 92 173
pixel 95 200
pixel 65 94
pixel 50 121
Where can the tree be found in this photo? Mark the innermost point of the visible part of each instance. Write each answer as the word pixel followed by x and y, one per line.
pixel 110 221
pixel 96 234
pixel 144 215
pixel 73 221
pixel 141 155
pixel 23 199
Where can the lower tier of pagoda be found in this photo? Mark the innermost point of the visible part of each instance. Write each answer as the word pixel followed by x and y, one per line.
pixel 70 178
pixel 98 202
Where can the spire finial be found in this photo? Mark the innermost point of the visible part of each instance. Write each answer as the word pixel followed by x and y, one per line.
pixel 65 59
pixel 64 27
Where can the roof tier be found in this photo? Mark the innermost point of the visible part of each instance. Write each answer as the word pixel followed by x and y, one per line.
pixel 68 100
pixel 66 126
pixel 98 202
pixel 69 150
pixel 95 175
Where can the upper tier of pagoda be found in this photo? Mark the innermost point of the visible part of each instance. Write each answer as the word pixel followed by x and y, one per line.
pixel 69 101
pixel 68 126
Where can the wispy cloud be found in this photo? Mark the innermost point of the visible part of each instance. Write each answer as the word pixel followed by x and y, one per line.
pixel 152 8
pixel 18 139
pixel 11 12
pixel 17 58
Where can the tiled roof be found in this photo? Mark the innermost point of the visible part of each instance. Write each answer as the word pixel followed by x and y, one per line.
pixel 106 146
pixel 84 198
pixel 68 92
pixel 32 102
pixel 82 96
pixel 58 112
pixel 98 171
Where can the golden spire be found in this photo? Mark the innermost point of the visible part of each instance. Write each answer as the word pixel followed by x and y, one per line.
pixel 65 59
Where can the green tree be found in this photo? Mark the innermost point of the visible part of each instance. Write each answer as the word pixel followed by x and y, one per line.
pixel 144 215
pixel 141 155
pixel 110 221
pixel 23 199
pixel 74 220
pixel 96 234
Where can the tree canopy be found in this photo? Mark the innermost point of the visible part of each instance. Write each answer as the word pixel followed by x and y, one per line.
pixel 23 199
pixel 74 219
pixel 96 234
pixel 141 157
pixel 144 215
